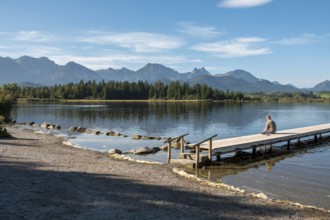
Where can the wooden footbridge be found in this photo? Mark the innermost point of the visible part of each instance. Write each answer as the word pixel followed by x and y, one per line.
pixel 252 142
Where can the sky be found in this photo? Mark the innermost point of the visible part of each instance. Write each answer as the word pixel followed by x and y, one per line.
pixel 279 40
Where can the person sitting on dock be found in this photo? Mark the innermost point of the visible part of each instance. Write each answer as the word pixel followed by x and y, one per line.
pixel 270 126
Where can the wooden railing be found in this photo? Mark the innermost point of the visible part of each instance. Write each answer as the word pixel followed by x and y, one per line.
pixel 197 146
pixel 169 146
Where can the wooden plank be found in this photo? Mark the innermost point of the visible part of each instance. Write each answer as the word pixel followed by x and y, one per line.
pixel 199 143
pixel 230 144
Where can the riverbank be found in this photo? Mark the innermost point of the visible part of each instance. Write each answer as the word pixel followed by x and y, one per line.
pixel 43 178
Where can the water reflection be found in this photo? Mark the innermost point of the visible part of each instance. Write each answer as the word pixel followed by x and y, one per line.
pixel 215 173
pixel 201 119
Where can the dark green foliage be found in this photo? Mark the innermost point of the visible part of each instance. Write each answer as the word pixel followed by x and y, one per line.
pixel 4 133
pixel 6 98
pixel 140 90
pixel 285 96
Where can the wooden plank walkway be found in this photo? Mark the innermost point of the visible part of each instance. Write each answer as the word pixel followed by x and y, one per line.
pixel 245 142
pixel 228 145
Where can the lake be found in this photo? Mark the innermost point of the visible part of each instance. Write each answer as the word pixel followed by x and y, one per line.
pixel 302 178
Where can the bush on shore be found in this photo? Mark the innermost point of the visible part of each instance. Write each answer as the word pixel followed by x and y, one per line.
pixel 3 131
pixel 6 105
pixel 6 101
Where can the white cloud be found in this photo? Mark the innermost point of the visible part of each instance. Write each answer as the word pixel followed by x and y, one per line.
pixel 29 36
pixel 242 3
pixel 238 47
pixel 197 31
pixel 33 50
pixel 33 36
pixel 303 39
pixel 136 41
pixel 44 50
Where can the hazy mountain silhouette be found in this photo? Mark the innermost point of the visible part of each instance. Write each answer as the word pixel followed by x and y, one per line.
pixel 42 71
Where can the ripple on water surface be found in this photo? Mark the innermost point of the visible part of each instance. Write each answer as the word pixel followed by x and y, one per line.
pixel 303 178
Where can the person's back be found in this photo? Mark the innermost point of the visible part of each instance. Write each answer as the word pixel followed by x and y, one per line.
pixel 271 126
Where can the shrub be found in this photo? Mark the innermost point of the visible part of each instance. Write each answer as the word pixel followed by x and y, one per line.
pixel 6 103
pixel 2 119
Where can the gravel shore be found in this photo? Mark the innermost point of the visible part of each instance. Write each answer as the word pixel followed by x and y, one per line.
pixel 41 178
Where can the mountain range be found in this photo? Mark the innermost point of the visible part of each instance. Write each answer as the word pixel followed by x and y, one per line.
pixel 31 71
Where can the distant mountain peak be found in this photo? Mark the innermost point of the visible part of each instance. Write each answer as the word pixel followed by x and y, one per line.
pixel 76 66
pixel 155 67
pixel 200 71
pixel 323 86
pixel 126 69
pixel 242 74
pixel 153 64
pixel 71 63
pixel 28 59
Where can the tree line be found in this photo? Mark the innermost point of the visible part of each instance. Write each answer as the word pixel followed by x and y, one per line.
pixel 114 90
pixel 142 90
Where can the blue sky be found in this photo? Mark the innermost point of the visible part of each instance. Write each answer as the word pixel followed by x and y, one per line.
pixel 283 40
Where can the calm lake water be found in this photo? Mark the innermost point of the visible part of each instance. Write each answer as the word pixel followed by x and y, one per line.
pixel 300 178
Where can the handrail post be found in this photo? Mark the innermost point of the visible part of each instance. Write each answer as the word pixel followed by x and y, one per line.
pixel 197 156
pixel 169 152
pixel 210 150
pixel 197 147
pixel 169 147
pixel 182 145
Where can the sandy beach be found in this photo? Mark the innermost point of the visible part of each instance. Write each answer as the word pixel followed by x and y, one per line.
pixel 41 178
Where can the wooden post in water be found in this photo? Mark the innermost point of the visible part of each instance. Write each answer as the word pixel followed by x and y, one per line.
pixel 288 146
pixel 218 157
pixel 254 151
pixel 270 148
pixel 169 148
pixel 315 138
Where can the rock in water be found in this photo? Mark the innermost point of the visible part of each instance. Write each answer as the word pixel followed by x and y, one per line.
pixel 136 137
pixel 114 151
pixel 44 125
pixel 146 150
pixel 73 128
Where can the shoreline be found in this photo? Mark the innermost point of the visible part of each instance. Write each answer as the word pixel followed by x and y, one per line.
pixel 95 101
pixel 43 177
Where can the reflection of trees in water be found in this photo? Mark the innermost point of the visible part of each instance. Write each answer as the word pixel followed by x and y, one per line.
pixel 147 116
pixel 164 114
